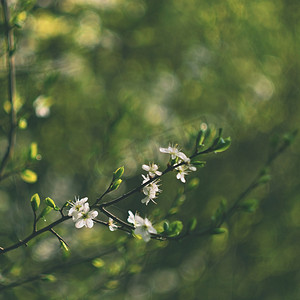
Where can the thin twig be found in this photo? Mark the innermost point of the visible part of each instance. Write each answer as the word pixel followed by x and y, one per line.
pixel 58 236
pixel 33 235
pixel 75 261
pixel 9 35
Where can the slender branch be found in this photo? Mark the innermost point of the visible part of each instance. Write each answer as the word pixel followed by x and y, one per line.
pixel 58 236
pixel 34 221
pixel 74 262
pixel 138 188
pixel 9 35
pixel 106 212
pixel 235 206
pixel 33 235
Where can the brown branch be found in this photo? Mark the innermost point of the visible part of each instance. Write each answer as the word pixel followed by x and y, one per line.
pixel 33 235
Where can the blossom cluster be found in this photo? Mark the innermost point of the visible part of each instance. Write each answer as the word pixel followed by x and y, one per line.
pixel 143 227
pixel 150 190
pixel 81 213
pixel 183 162
pixel 83 216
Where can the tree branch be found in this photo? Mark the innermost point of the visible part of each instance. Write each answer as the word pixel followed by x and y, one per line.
pixel 9 35
pixel 33 235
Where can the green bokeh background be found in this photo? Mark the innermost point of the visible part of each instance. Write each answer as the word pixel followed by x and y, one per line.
pixel 125 77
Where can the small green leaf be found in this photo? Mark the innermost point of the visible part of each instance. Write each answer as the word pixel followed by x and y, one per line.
pixel 218 230
pixel 48 277
pixel 222 145
pixel 217 139
pixel 64 246
pixel 173 211
pixel 264 179
pixel 98 263
pixel 166 226
pixel 118 173
pixel 50 202
pixel 45 212
pixel 22 123
pixel 194 183
pixel 200 138
pixel 66 204
pixel 175 228
pixel 200 164
pixel 35 202
pixel 249 205
pixel 220 212
pixel 33 150
pixel 290 137
pixel 29 176
pixel 115 185
pixel 192 224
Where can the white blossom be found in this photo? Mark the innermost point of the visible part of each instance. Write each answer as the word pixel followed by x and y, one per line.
pixel 136 220
pixel 143 227
pixel 77 207
pixel 152 169
pixel 174 152
pixel 112 226
pixel 86 217
pixel 183 170
pixel 150 190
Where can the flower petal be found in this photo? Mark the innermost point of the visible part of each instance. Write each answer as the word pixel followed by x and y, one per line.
pixel 145 167
pixel 131 217
pixel 89 223
pixel 80 223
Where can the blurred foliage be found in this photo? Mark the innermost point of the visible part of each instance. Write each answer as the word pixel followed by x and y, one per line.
pixel 104 83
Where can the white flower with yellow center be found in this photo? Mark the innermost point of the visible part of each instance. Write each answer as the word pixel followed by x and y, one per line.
pixel 86 217
pixel 150 190
pixel 143 227
pixel 112 226
pixel 174 152
pixel 152 169
pixel 76 208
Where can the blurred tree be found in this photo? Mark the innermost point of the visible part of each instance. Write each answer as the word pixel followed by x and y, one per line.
pixel 104 83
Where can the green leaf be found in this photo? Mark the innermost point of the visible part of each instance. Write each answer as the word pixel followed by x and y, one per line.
pixel 35 202
pixel 264 179
pixel 218 231
pixel 220 212
pixel 45 212
pixel 50 202
pixel 66 204
pixel 118 173
pixel 48 277
pixel 22 123
pixel 192 224
pixel 217 139
pixel 193 183
pixel 29 176
pixel 115 185
pixel 249 205
pixel 222 145
pixel 200 138
pixel 173 210
pixel 290 137
pixel 64 246
pixel 200 164
pixel 175 228
pixel 98 263
pixel 33 150
pixel 166 226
